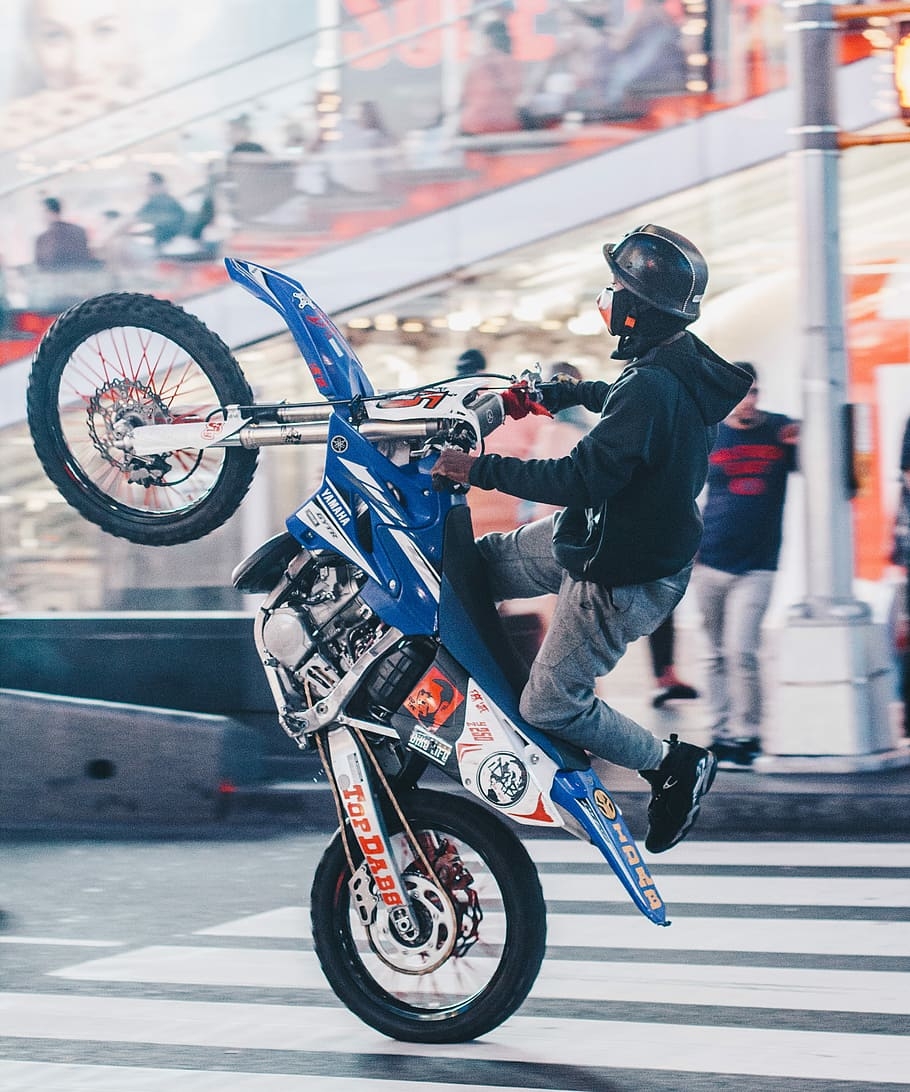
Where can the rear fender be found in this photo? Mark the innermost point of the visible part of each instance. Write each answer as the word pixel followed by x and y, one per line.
pixel 333 364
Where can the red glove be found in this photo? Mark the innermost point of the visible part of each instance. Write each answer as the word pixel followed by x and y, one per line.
pixel 517 403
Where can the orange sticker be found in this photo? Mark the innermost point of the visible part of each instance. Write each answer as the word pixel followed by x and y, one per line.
pixel 434 699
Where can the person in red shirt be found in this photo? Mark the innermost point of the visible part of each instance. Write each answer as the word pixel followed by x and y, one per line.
pixel 751 460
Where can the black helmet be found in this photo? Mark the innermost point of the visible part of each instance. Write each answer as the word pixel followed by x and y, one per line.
pixel 660 267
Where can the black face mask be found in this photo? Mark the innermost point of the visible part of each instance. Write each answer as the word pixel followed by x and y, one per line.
pixel 623 318
pixel 639 326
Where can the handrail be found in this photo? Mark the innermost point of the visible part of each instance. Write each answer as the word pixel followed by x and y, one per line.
pixel 848 13
pixel 182 85
pixel 148 100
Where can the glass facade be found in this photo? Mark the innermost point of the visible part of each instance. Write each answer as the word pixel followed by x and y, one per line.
pixel 360 114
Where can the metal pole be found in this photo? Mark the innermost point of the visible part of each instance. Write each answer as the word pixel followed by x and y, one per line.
pixel 823 452
pixel 834 666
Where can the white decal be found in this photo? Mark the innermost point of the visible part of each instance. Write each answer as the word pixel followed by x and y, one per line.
pixel 420 564
pixel 502 779
pixel 368 483
pixel 315 516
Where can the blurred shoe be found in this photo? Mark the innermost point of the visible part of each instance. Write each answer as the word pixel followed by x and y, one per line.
pixel 673 691
pixel 736 754
pixel 677 786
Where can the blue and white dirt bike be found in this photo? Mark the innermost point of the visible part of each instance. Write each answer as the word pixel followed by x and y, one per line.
pixel 377 632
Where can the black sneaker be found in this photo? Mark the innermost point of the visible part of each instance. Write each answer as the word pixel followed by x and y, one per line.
pixel 736 754
pixel 677 786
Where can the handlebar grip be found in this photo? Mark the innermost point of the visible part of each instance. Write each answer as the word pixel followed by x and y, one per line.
pixel 490 412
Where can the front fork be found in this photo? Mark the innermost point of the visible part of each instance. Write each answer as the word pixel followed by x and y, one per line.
pixel 356 800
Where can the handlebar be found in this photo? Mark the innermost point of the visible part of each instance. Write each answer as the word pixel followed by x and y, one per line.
pixel 291 425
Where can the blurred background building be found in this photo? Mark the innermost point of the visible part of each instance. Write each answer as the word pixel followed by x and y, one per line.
pixel 440 175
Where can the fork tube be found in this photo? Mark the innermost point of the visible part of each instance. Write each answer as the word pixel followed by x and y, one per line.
pixel 317 432
pixel 365 821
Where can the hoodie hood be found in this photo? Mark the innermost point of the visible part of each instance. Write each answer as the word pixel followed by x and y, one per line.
pixel 715 384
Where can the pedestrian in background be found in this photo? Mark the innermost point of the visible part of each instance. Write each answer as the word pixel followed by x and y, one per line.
pixel 471 362
pixel 240 136
pixel 900 555
pixel 493 83
pixel 61 245
pixel 662 647
pixel 161 214
pixel 733 577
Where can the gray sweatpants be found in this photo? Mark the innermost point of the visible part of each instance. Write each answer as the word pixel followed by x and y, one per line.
pixel 733 606
pixel 588 634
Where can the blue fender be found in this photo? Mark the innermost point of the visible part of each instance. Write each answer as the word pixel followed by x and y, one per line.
pixel 580 793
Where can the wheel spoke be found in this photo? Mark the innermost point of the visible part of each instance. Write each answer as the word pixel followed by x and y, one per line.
pixel 461 977
pixel 128 376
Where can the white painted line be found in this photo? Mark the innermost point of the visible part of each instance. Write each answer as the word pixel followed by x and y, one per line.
pixel 62 942
pixel 745 854
pixel 526 1040
pixel 812 936
pixel 285 921
pixel 726 986
pixel 63 1077
pixel 243 967
pixel 714 890
pixel 653 983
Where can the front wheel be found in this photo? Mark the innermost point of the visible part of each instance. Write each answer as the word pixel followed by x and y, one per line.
pixel 113 364
pixel 435 988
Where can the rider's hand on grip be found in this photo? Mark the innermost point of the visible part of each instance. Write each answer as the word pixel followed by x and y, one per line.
pixel 517 402
pixel 452 469
pixel 556 392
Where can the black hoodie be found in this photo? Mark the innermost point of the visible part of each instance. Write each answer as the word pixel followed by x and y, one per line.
pixel 629 487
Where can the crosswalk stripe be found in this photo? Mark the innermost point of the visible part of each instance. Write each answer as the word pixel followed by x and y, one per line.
pixel 677 984
pixel 70 1077
pixel 525 1040
pixel 285 921
pixel 735 890
pixel 750 854
pixel 61 942
pixel 812 936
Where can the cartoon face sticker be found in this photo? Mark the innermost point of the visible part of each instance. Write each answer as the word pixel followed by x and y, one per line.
pixel 502 779
pixel 434 699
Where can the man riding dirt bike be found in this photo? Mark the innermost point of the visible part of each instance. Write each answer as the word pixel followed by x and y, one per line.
pixel 619 555
pixel 376 629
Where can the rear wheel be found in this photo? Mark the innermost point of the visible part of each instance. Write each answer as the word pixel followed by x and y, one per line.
pixel 117 362
pixel 467 971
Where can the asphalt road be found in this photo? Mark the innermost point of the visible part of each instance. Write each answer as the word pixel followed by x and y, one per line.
pixel 184 965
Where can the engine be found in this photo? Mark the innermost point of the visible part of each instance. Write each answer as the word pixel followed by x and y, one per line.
pixel 318 628
pixel 313 630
